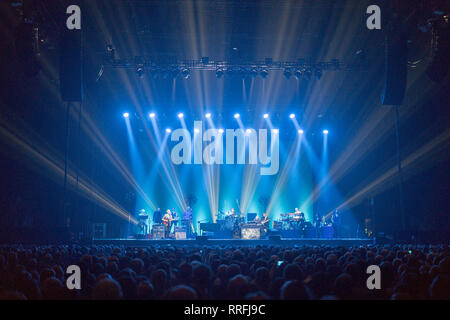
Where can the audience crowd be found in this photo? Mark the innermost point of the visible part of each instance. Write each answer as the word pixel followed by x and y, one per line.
pixel 224 272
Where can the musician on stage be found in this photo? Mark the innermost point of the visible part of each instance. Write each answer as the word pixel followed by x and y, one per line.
pixel 167 221
pixel 257 219
pixel 265 219
pixel 336 222
pixel 265 223
pixel 142 222
pixel 317 223
pixel 187 221
pixel 174 220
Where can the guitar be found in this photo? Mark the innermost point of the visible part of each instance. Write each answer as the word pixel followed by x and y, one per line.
pixel 168 221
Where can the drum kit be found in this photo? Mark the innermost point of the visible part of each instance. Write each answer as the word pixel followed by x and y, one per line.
pixel 232 220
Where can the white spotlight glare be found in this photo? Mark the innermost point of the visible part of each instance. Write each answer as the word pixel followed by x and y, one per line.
pixel 180 115
pixel 301 131
pixel 248 130
pixel 168 130
pixel 196 130
pixel 126 114
pixel 292 116
pixel 151 115
pixel 275 130
pixel 208 115
pixel 236 115
pixel 266 115
pixel 220 130
pixel 325 131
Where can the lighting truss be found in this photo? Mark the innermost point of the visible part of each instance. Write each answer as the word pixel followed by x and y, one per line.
pixel 248 68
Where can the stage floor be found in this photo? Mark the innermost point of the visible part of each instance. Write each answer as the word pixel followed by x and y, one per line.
pixel 236 242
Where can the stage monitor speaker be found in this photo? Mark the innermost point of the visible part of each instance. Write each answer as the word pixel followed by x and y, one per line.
pixel 395 66
pixel 70 67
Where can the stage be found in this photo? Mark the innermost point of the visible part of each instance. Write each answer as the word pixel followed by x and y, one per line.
pixel 347 242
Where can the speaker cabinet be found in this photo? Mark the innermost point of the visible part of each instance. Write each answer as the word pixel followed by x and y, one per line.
pixel 395 66
pixel 70 69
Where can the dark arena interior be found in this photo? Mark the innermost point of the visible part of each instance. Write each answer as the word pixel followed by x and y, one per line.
pixel 224 150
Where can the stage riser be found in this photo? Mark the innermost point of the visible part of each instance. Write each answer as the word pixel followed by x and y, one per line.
pixel 235 242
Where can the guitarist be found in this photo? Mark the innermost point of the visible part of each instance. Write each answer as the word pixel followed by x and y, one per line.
pixel 167 221
pixel 265 223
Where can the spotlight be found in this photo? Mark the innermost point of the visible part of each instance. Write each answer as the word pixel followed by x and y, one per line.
pixel 126 114
pixel 275 130
pixel 196 130
pixel 264 73
pixel 180 115
pixel 237 115
pixel 266 115
pixel 298 74
pixel 186 73
pixel 168 130
pixel 219 73
pixel 140 70
pixel 208 115
pixel 248 130
pixel 300 131
pixel 220 130
pixel 253 72
pixel 291 116
pixel 325 131
pixel 151 115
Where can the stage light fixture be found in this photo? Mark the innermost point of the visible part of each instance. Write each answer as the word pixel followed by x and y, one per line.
pixel 264 73
pixel 219 73
pixel 300 131
pixel 291 116
pixel 208 115
pixel 275 130
pixel 325 131
pixel 168 130
pixel 186 73
pixel 151 115
pixel 248 130
pixel 140 71
pixel 221 130
pixel 237 115
pixel 196 130
pixel 298 74
pixel 266 115
pixel 180 115
pixel 126 115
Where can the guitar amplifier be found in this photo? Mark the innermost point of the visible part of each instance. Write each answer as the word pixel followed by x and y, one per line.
pixel 250 231
pixel 180 233
pixel 158 231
